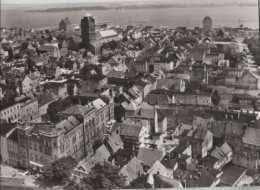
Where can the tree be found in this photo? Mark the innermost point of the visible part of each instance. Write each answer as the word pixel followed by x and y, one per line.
pixel 139 183
pixel 215 98
pixel 60 170
pixel 159 183
pixel 104 176
pixel 57 106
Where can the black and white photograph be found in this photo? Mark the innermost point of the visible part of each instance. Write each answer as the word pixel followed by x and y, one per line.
pixel 129 94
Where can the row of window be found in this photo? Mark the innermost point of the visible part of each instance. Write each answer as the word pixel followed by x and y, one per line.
pixel 10 110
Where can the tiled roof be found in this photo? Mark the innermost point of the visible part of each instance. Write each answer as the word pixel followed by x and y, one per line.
pixel 221 152
pixel 130 130
pixel 218 128
pixel 6 127
pixel 132 170
pixel 46 98
pixel 149 156
pixel 170 163
pixel 102 155
pixel 107 33
pixel 115 74
pixel 77 110
pixel 252 136
pixel 98 104
pixel 158 167
pixel 45 48
pixel 13 136
pixel 204 180
pixel 115 142
pixel 32 76
pixel 231 174
pixel 68 123
pixel 173 182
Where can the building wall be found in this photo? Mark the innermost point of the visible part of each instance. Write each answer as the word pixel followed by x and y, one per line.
pixel 13 152
pixel 23 148
pixel 4 149
pixel 30 111
pixel 207 25
pixel 72 144
pixel 27 84
pixel 251 165
pixel 12 113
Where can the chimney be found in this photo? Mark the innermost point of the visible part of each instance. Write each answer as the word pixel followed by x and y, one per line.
pixel 184 183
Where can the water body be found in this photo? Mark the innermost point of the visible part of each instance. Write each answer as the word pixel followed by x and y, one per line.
pixel 188 17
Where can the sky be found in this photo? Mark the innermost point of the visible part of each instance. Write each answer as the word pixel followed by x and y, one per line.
pixel 93 1
pixel 59 1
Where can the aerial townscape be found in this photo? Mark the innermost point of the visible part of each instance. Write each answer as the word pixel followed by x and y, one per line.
pixel 100 106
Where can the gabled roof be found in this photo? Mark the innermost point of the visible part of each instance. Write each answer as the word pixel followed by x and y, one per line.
pixel 77 110
pixel 170 163
pixel 69 123
pixel 32 76
pixel 221 152
pixel 130 130
pixel 132 170
pixel 116 74
pixel 173 182
pixel 231 174
pixel 6 128
pixel 98 104
pixel 47 97
pixel 44 48
pixel 107 33
pixel 115 142
pixel 101 155
pixel 149 156
pixel 158 167
pixel 252 136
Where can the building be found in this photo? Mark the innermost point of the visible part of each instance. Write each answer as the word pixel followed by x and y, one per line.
pixel 65 24
pixel 232 176
pixel 29 108
pixel 207 24
pixel 88 32
pixel 12 146
pixel 40 143
pixel 148 157
pixel 11 112
pixel 6 132
pixel 30 82
pixel 84 167
pixel 132 170
pixel 223 155
pixel 133 136
pixel 44 100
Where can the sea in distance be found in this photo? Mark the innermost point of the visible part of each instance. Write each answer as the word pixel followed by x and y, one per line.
pixel 231 16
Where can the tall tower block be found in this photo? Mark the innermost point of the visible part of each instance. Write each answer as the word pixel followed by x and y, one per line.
pixel 87 30
pixel 207 24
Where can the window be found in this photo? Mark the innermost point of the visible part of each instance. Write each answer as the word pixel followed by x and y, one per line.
pixel 54 144
pixel 74 139
pixel 35 147
pixel 40 148
pixel 102 117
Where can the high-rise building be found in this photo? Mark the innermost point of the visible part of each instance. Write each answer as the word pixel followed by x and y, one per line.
pixel 88 30
pixel 207 24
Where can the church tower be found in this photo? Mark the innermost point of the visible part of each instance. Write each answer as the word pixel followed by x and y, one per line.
pixel 87 30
